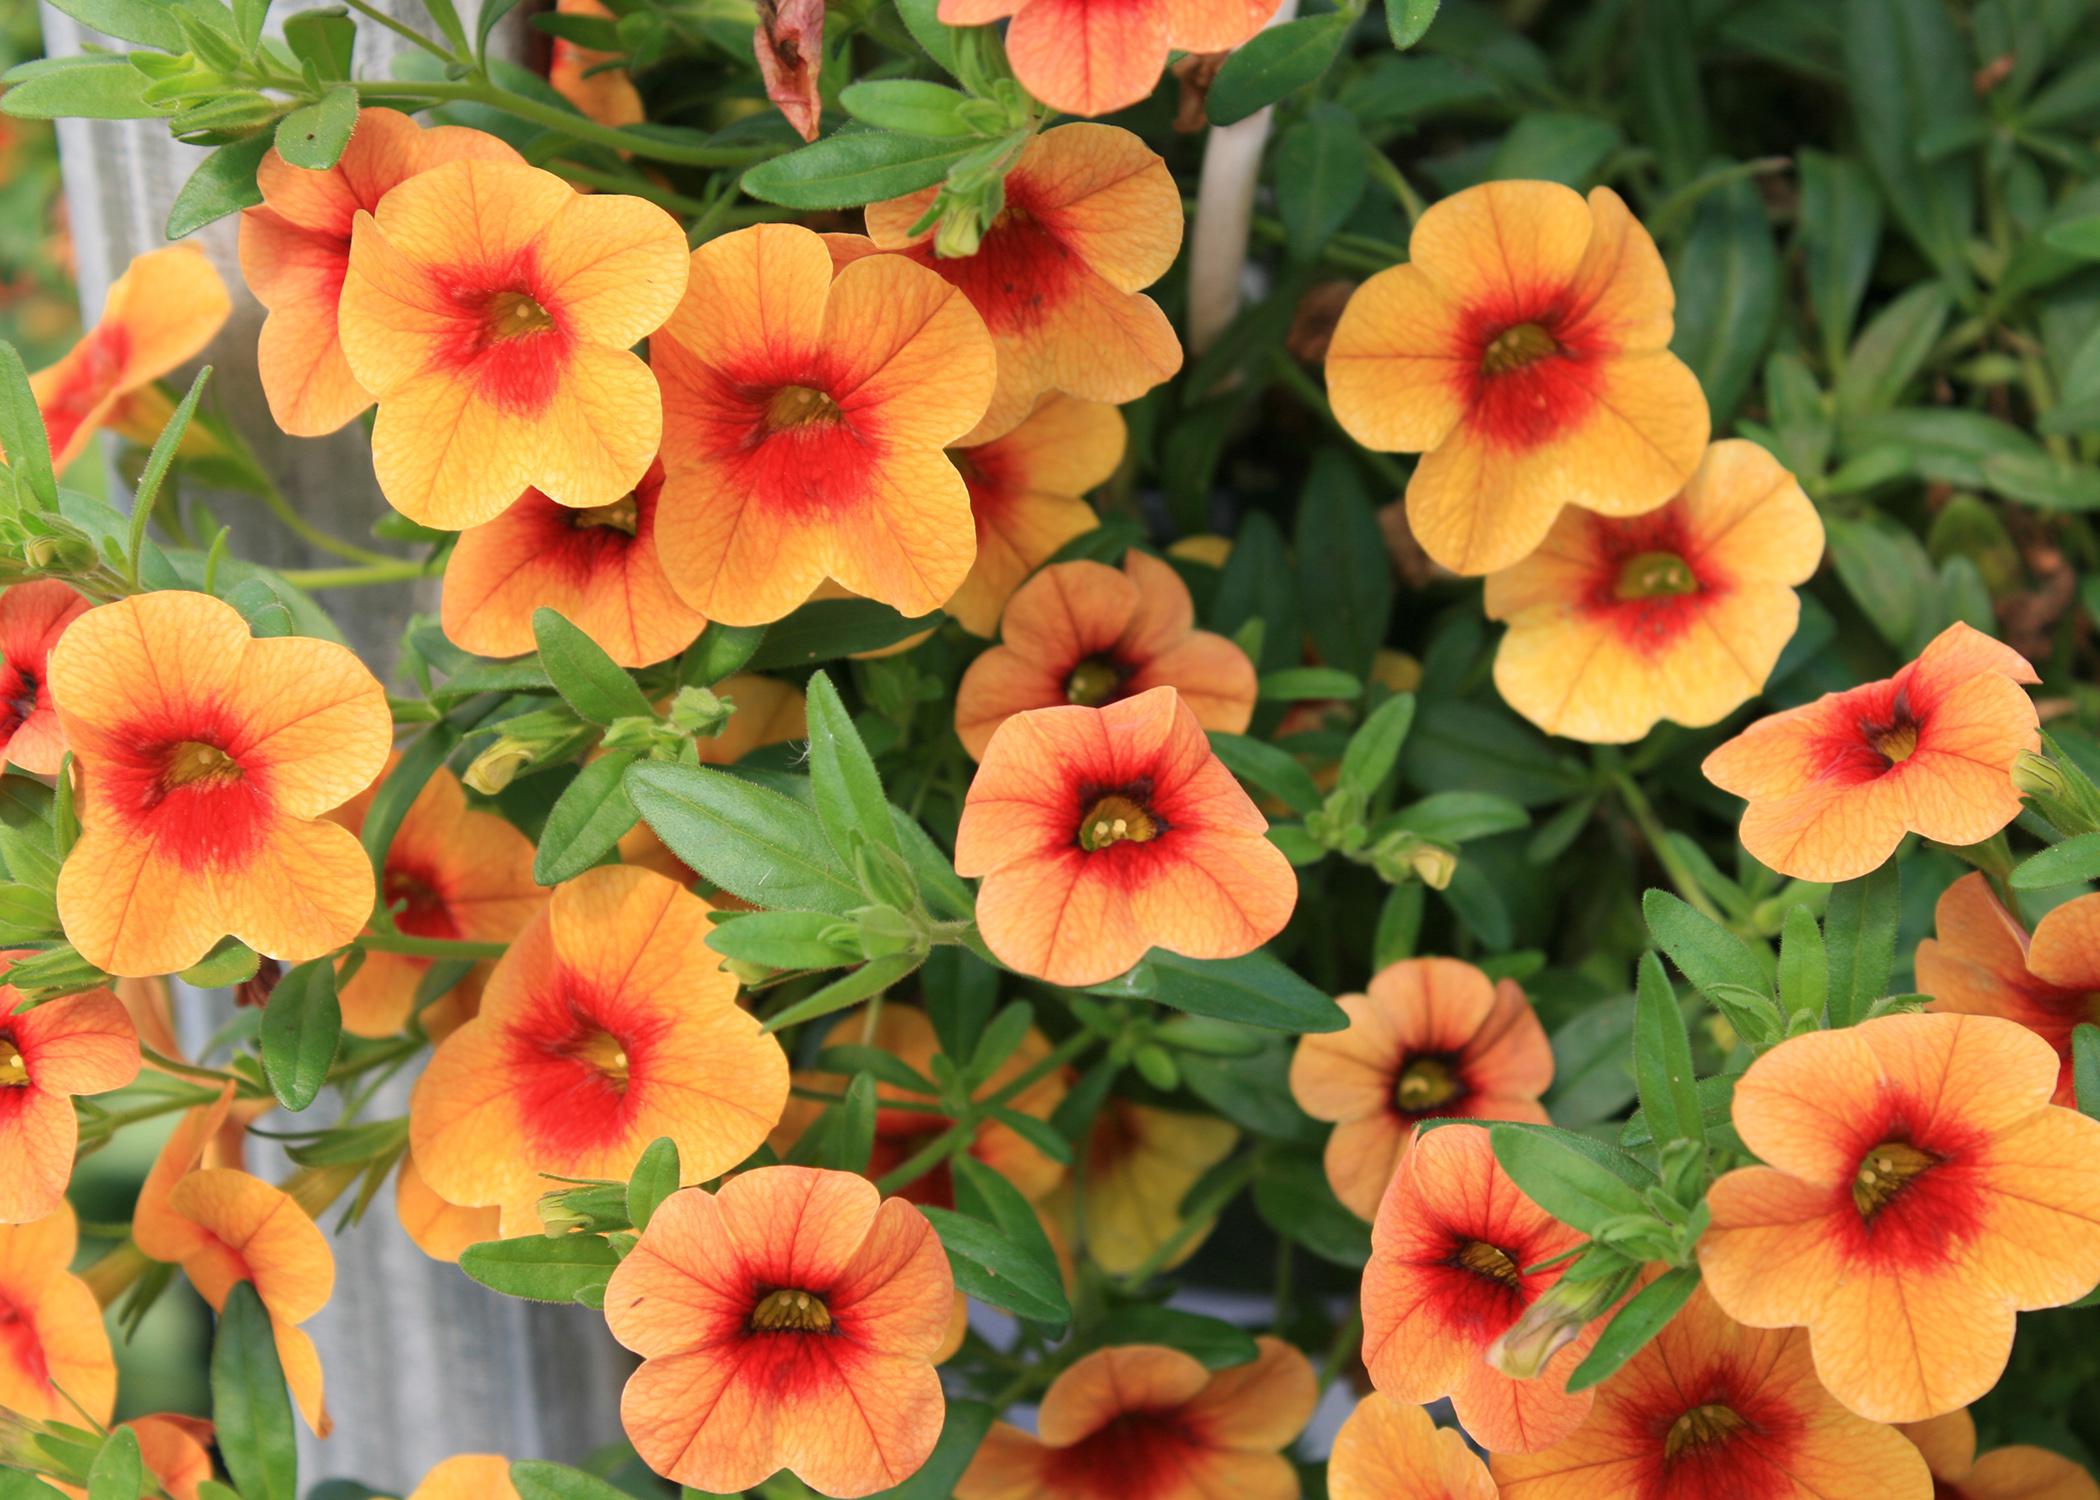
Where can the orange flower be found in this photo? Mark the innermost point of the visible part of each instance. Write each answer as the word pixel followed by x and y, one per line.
pixel 450 873
pixel 489 309
pixel 906 1034
pixel 1102 832
pixel 1140 1164
pixel 1082 632
pixel 441 1230
pixel 597 566
pixel 295 252
pixel 2021 1472
pixel 804 419
pixel 786 1322
pixel 580 75
pixel 1921 1189
pixel 1434 1037
pixel 1983 963
pixel 768 712
pixel 1389 1450
pixel 1086 58
pixel 601 1029
pixel 1448 1277
pixel 1092 218
pixel 224 1227
pixel 1616 622
pixel 1025 491
pixel 1835 784
pixel 52 1342
pixel 206 759
pixel 82 1044
pixel 1523 351
pixel 1141 1422
pixel 159 314
pixel 1711 1410
pixel 470 1476
pixel 32 618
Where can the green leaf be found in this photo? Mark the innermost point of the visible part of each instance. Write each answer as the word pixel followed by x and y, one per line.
pixel 851 1136
pixel 23 440
pixel 1668 104
pixel 1292 1196
pixel 991 1267
pixel 721 650
pixel 314 137
pixel 783 940
pixel 1859 926
pixel 1888 573
pixel 1891 350
pixel 2079 237
pixel 1908 73
pixel 1705 952
pixel 326 38
pixel 301 1028
pixel 654 1179
pixel 1716 1096
pixel 750 840
pixel 961 1435
pixel 1273 770
pixel 1320 177
pixel 922 19
pixel 119 1472
pixel 983 1194
pixel 1456 817
pixel 848 788
pixel 831 628
pixel 1557 147
pixel 1662 1058
pixel 97 86
pixel 1341 553
pixel 588 820
pixel 1298 684
pixel 2085 1067
pixel 1645 1314
pixel 852 168
pixel 1839 229
pixel 1256 989
pixel 1375 747
pixel 1727 279
pixel 251 1411
pixel 541 1268
pixel 909 105
pixel 537 1479
pixel 1275 62
pixel 248 17
pixel 2075 860
pixel 16 1485
pixel 1804 965
pixel 223 183
pixel 1565 1181
pixel 396 794
pixel 1218 1345
pixel 864 983
pixel 142 21
pixel 588 680
pixel 1407 21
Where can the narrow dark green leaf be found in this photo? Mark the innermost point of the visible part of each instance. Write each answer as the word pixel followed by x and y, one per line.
pixel 1727 279
pixel 852 168
pixel 922 19
pixel 1407 21
pixel 1563 1179
pixel 588 680
pixel 1265 766
pixel 1320 177
pixel 539 1268
pixel 223 183
pixel 863 983
pixel 831 628
pixel 1257 989
pixel 1276 62
pixel 912 106
pixel 119 1472
pixel 654 1179
pixel 390 804
pixel 301 1028
pixel 96 86
pixel 537 1479
pixel 1340 551
pixel 1292 1196
pixel 750 840
pixel 325 37
pixel 314 136
pixel 1804 965
pixel 1643 1316
pixel 1859 927
pixel 23 441
pixel 251 1410
pixel 1705 952
pixel 588 820
pixel 2075 860
pixel 1662 1058
pixel 848 788
pixel 1908 73
pixel 1839 229
pixel 989 1266
pixel 1217 1344
pixel 852 1134
pixel 721 650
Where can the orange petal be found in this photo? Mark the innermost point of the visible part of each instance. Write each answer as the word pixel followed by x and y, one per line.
pixel 80 1044
pixel 1390 1450
pixel 1398 368
pixel 257 1234
pixel 1088 59
pixel 1262 1405
pixel 470 1476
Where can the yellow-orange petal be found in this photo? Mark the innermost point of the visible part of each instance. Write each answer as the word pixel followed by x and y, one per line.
pixel 468 1476
pixel 1391 1450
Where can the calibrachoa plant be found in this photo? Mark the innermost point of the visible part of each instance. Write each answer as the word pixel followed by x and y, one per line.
pixel 1377 781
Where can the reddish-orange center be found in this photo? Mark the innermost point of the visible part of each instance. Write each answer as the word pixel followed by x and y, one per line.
pixel 197 763
pixel 798 406
pixel 1885 1172
pixel 1516 348
pixel 790 1310
pixel 1702 1427
pixel 517 315
pixel 19 1344
pixel 1117 819
pixel 623 515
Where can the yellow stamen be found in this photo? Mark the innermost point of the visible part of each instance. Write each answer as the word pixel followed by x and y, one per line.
pixel 799 406
pixel 1091 682
pixel 1427 1083
pixel 789 1311
pixel 1700 1426
pixel 1886 1171
pixel 603 1051
pixel 624 514
pixel 1483 1259
pixel 14 1071
pixel 1116 819
pixel 515 315
pixel 1897 743
pixel 194 763
pixel 1514 348
pixel 1655 575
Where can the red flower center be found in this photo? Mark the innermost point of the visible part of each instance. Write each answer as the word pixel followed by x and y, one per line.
pixel 20 1346
pixel 100 366
pixel 623 515
pixel 1515 348
pixel 198 763
pixel 798 406
pixel 418 902
pixel 1427 1083
pixel 1022 272
pixel 506 338
pixel 605 1054
pixel 1885 1172
pixel 790 1310
pixel 1118 818
pixel 1137 1455
pixel 517 315
pixel 19 689
pixel 1702 1427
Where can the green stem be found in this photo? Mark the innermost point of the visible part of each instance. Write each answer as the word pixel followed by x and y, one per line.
pixel 1189 1228
pixel 306 531
pixel 924 1160
pixel 406 33
pixel 1057 1057
pixel 575 126
pixel 399 571
pixel 826 1096
pixel 1658 840
pixel 1388 172
pixel 418 947
pixel 639 187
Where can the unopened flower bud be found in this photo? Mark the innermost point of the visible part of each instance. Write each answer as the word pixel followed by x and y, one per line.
pixel 1552 1323
pixel 2036 775
pixel 960 234
pixel 496 767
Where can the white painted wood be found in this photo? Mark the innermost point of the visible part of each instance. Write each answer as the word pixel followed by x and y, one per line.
pixel 421 1363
